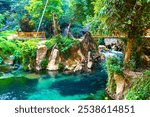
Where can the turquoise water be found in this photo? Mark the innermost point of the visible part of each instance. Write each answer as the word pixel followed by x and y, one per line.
pixel 21 85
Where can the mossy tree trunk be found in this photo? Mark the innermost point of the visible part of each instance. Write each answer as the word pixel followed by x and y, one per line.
pixel 128 51
pixel 133 49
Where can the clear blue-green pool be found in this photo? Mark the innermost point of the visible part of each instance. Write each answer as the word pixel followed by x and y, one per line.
pixel 21 85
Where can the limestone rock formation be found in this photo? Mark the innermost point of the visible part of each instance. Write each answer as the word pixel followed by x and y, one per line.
pixel 53 60
pixel 40 55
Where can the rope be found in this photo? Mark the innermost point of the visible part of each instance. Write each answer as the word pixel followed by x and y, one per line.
pixel 42 17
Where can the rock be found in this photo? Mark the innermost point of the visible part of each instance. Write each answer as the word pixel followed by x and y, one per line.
pixel 53 60
pixel 79 67
pixel 102 48
pixel 40 55
pixel 81 55
pixel 120 86
pixel 88 43
pixel 90 61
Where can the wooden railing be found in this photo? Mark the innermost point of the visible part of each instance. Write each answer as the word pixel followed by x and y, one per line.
pixel 29 35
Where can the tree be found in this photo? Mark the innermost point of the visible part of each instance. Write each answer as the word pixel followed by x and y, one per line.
pixel 36 8
pixel 127 16
pixel 81 9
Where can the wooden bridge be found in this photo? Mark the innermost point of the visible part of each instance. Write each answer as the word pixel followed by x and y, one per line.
pixel 31 35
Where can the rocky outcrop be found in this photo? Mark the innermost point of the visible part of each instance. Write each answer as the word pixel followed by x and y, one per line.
pixel 81 57
pixel 40 55
pixel 54 60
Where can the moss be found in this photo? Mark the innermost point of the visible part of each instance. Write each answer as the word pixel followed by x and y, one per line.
pixel 140 89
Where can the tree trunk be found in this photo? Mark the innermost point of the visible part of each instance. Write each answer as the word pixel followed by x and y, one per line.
pixel 55 25
pixel 68 29
pixel 128 51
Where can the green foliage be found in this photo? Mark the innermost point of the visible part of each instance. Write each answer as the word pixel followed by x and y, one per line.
pixel 44 63
pixel 6 33
pixel 1 20
pixel 61 66
pixel 125 16
pixel 114 65
pixel 140 89
pixel 147 73
pixel 1 60
pixel 82 9
pixel 131 65
pixel 35 8
pixel 62 43
pixel 50 43
pixel 26 53
pixel 7 47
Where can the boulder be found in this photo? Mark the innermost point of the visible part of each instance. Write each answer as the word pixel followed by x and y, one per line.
pixel 102 48
pixel 40 55
pixel 53 60
pixel 120 86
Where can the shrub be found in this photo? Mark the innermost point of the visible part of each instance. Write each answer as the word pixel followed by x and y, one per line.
pixel 44 63
pixel 50 43
pixel 147 73
pixel 63 44
pixel 26 53
pixel 7 47
pixel 61 66
pixel 140 89
pixel 114 65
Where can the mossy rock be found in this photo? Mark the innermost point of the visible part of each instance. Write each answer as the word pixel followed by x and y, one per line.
pixel 33 76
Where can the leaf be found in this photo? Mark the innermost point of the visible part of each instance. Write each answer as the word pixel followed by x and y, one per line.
pixel 129 22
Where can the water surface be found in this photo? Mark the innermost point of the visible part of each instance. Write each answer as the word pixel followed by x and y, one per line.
pixel 21 85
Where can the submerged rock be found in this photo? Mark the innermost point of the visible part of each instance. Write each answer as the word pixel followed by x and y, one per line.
pixel 32 76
